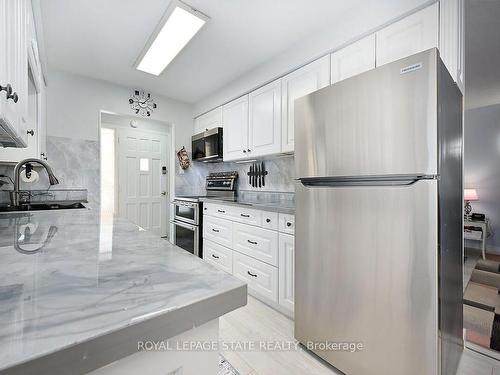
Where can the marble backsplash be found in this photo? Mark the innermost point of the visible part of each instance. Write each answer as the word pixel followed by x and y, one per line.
pixel 280 177
pixel 75 162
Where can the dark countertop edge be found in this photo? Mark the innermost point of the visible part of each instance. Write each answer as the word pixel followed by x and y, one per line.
pixel 99 351
pixel 258 206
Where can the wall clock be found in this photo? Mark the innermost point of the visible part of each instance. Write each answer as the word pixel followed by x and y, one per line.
pixel 142 103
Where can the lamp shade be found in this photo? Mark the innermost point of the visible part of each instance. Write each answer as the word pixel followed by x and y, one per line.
pixel 470 195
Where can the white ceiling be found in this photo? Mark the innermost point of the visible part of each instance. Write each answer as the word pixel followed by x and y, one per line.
pixel 102 39
pixel 482 53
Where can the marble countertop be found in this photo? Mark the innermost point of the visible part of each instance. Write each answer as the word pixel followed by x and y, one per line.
pixel 69 277
pixel 286 207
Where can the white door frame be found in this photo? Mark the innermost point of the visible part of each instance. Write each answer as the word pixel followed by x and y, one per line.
pixel 170 133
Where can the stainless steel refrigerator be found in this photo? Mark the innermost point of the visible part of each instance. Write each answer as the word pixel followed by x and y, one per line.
pixel 378 240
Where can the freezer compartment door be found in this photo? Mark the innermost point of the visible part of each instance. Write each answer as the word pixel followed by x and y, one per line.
pixel 380 122
pixel 367 272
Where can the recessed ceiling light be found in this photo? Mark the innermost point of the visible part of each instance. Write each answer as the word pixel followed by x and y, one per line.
pixel 178 26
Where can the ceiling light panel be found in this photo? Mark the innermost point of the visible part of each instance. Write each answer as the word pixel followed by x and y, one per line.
pixel 178 26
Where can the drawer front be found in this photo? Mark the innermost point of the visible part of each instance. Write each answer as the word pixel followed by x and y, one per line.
pixel 261 244
pixel 287 223
pixel 218 230
pixel 270 220
pixel 261 277
pixel 217 210
pixel 218 255
pixel 246 215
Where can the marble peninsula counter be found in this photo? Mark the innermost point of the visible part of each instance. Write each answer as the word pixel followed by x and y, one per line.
pixel 79 291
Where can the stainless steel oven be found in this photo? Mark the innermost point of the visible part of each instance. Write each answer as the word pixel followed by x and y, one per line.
pixel 187 236
pixel 186 211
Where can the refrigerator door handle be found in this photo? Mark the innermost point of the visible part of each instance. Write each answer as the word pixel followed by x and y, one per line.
pixel 387 180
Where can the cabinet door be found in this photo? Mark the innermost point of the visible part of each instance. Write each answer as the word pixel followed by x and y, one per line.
pixel 303 81
pixel 261 244
pixel 13 68
pixel 218 255
pixel 265 120
pixel 451 42
pixel 415 33
pixel 218 230
pixel 354 59
pixel 286 271
pixel 235 125
pixel 209 120
pixel 262 279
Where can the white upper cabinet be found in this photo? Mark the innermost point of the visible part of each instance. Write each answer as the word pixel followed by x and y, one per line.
pixel 209 120
pixel 13 71
pixel 32 115
pixel 303 81
pixel 415 33
pixel 356 58
pixel 264 128
pixel 451 38
pixel 235 128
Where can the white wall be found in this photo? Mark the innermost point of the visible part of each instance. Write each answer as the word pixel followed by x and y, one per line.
pixel 74 102
pixel 482 163
pixel 361 22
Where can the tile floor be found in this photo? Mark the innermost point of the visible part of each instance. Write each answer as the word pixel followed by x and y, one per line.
pixel 256 321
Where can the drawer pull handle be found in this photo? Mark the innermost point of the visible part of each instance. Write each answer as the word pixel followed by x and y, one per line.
pixel 268 220
pixel 251 274
pixel 215 230
pixel 288 224
pixel 243 215
pixel 252 242
pixel 215 256
pixel 221 211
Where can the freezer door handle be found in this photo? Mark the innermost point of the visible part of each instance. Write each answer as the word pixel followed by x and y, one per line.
pixel 387 180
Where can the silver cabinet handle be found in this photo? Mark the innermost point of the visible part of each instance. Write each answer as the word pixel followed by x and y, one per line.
pixel 243 215
pixel 7 89
pixel 252 242
pixel 215 230
pixel 249 150
pixel 288 224
pixel 215 256
pixel 245 151
pixel 221 211
pixel 30 132
pixel 251 274
pixel 10 94
pixel 268 220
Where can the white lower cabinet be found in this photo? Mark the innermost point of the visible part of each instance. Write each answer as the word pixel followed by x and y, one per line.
pixel 261 277
pixel 218 230
pixel 256 246
pixel 261 244
pixel 286 271
pixel 218 255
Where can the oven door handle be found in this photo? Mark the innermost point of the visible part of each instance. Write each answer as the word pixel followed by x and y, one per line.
pixel 184 225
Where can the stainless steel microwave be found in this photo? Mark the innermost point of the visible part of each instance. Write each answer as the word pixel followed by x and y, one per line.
pixel 207 146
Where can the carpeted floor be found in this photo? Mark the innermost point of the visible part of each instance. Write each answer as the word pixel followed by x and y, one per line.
pixel 482 304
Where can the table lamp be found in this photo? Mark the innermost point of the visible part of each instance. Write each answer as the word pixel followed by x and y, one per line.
pixel 469 195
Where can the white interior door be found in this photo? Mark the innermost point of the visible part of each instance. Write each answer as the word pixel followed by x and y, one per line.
pixel 143 179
